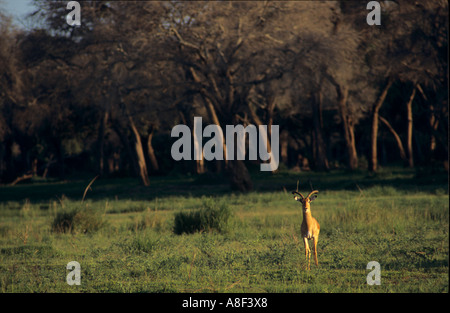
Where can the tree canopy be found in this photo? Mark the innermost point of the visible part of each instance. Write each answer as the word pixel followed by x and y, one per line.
pixel 103 97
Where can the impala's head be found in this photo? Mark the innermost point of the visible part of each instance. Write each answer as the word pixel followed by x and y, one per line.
pixel 305 200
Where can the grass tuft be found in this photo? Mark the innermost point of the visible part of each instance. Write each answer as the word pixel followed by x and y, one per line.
pixel 212 216
pixel 77 220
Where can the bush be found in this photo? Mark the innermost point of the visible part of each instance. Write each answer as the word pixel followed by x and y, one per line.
pixel 212 216
pixel 77 221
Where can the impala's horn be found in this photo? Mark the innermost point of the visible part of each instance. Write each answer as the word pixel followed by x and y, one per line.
pixel 312 192
pixel 298 193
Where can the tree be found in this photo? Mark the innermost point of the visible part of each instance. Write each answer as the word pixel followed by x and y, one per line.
pixel 132 70
pixel 224 50
pixel 11 87
pixel 326 74
pixel 401 50
pixel 115 50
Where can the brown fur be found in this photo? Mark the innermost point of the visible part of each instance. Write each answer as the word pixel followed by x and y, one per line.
pixel 310 229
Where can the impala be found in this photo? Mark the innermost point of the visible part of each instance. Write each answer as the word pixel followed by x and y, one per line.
pixel 310 227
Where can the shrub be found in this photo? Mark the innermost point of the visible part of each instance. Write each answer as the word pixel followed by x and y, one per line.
pixel 212 216
pixel 77 221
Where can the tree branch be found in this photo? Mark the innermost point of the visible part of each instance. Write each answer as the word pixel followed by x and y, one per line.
pixel 182 41
pixel 396 136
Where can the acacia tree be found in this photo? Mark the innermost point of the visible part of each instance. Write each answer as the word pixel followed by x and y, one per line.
pixel 407 47
pixel 133 68
pixel 224 49
pixel 324 73
pixel 54 114
pixel 346 74
pixel 421 47
pixel 38 121
pixel 11 87
pixel 112 68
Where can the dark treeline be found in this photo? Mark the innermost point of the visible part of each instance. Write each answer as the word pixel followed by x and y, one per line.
pixel 102 98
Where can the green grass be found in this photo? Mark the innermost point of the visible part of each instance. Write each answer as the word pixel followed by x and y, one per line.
pixel 392 218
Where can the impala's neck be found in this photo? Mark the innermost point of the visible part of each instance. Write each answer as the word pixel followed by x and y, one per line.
pixel 307 217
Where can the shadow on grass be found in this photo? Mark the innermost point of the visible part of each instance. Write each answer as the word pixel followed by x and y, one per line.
pixel 210 184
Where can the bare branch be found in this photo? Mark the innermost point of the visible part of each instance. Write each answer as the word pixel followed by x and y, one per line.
pixel 88 187
pixel 182 41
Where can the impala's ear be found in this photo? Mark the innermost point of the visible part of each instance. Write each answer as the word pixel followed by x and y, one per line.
pixel 297 196
pixel 313 197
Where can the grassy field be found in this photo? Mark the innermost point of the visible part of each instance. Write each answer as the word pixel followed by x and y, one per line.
pixel 123 234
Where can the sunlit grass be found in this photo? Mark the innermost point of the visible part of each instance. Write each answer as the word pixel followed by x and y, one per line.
pixel 136 249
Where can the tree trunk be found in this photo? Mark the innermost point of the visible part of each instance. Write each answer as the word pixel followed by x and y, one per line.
pixel 209 106
pixel 126 143
pixel 47 166
pixel 258 123
pixel 101 143
pixel 269 111
pixel 396 136
pixel 347 124
pixel 321 161
pixel 151 152
pixel 214 118
pixel 60 156
pixel 434 123
pixel 373 159
pixel 353 159
pixel 135 151
pixel 239 176
pixel 410 128
pixel 34 168
pixel 142 167
pixel 284 145
pixel 199 164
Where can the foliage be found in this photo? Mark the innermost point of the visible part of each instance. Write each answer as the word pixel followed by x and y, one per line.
pixel 72 102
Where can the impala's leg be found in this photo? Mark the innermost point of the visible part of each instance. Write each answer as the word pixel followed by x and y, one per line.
pixel 315 240
pixel 307 251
